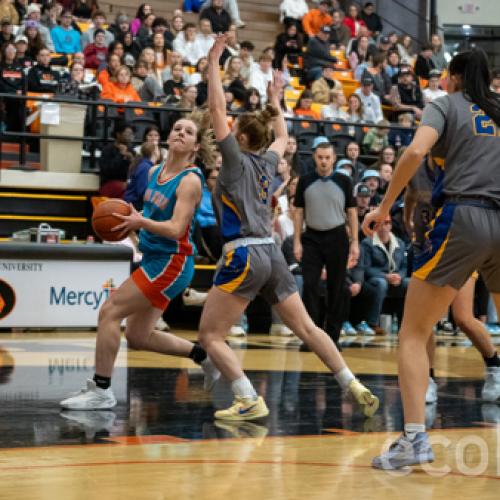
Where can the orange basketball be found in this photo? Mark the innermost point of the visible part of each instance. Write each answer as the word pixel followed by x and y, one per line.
pixel 103 220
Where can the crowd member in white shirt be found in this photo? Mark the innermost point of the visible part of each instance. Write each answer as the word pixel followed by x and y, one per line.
pixel 205 37
pixel 334 109
pixel 247 62
pixel 433 91
pixel 186 43
pixel 372 109
pixel 293 9
pixel 261 75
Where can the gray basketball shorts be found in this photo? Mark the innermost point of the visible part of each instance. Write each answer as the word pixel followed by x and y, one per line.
pixel 250 270
pixel 461 239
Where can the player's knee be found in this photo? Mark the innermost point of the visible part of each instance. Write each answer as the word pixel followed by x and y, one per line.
pixel 134 340
pixel 106 312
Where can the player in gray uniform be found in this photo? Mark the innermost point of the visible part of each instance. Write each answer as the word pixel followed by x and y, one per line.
pixel 418 214
pixel 461 132
pixel 251 262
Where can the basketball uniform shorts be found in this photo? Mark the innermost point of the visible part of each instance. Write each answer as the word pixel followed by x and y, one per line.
pixel 161 279
pixel 255 269
pixel 462 239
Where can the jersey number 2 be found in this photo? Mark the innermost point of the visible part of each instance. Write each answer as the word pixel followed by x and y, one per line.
pixel 482 123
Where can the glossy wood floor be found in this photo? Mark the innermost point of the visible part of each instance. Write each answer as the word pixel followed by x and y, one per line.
pixel 161 441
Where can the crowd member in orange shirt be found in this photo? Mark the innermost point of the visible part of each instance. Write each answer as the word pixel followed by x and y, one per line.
pixel 114 64
pixel 120 90
pixel 316 18
pixel 303 106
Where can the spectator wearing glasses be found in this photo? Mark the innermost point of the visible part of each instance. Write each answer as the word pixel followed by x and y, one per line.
pixel 66 38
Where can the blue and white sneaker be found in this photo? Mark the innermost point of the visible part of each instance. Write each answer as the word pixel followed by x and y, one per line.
pixel 364 329
pixel 404 452
pixel 491 387
pixel 493 328
pixel 349 329
pixel 431 395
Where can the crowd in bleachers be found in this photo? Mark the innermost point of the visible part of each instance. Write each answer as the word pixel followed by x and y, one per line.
pixel 348 79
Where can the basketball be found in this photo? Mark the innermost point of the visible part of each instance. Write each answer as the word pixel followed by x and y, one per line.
pixel 103 220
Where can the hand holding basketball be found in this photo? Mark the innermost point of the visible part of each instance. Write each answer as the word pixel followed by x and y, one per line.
pixel 131 222
pixel 104 219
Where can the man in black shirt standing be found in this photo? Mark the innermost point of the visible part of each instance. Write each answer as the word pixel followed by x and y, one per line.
pixel 324 200
pixel 318 54
pixel 219 17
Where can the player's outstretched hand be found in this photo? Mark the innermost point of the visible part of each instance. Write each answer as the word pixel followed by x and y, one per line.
pixel 275 87
pixel 217 48
pixel 132 222
pixel 373 220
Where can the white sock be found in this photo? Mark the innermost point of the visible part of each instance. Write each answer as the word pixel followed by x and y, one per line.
pixel 243 387
pixel 344 377
pixel 411 430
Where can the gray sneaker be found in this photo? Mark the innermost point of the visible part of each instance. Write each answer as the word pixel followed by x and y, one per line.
pixel 404 452
pixel 90 397
pixel 491 388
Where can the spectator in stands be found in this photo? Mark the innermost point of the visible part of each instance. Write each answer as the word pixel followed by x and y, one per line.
pixel 66 38
pixel 385 171
pixel 42 78
pixel 50 14
pixel 381 82
pixel 142 12
pixel 138 176
pixel 231 6
pixel 353 21
pixel 202 88
pixel 292 157
pixel 6 32
pixel 120 89
pixel 195 77
pixel 115 162
pixel 122 25
pixel 246 51
pixel 303 106
pixel 335 108
pixel 232 46
pixel 187 45
pixel 261 75
pixel 173 87
pixel 160 25
pixel 177 25
pixel 322 87
pixel 318 54
pixel 152 136
pixel 377 138
pixel 424 64
pixel 372 109
pixel 340 33
pixel 402 137
pixel 387 155
pixel 110 70
pixel 116 47
pixel 361 52
pixel 406 50
pixel 219 17
pixel 433 91
pixel 293 11
pixel 384 44
pixel 393 63
pixel 33 14
pixel 146 32
pixel 371 19
pixel 83 10
pixel 74 85
pixel 315 19
pixel 205 37
pixel 232 78
pixel 385 270
pixel 252 101
pixel 438 55
pixel 362 194
pixel 22 56
pixel 354 109
pixel 8 12
pixel 352 153
pixel 175 58
pixel 495 80
pixel 98 22
pixel 132 49
pixel 288 44
pixel 146 85
pixel 21 7
pixel 324 200
pixel 11 82
pixel 160 53
pixel 371 178
pixel 410 95
pixel 96 53
pixel 35 40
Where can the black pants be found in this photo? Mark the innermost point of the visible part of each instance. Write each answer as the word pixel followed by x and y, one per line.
pixel 329 249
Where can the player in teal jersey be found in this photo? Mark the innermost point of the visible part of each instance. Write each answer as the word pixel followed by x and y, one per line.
pixel 170 202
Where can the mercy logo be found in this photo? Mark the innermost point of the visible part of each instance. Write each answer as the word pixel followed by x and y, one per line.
pixel 92 298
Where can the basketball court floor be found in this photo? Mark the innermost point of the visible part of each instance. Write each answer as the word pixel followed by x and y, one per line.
pixel 161 441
